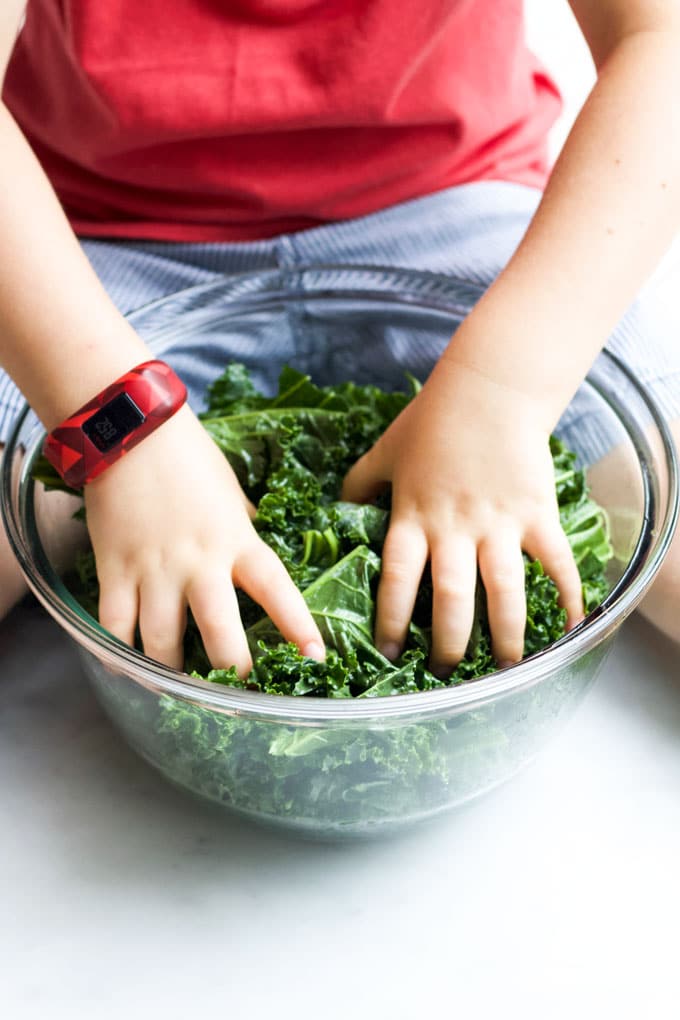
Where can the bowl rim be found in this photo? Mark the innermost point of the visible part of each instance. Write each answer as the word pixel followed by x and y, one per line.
pixel 121 659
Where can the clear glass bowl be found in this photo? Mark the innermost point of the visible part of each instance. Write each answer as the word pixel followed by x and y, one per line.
pixel 332 769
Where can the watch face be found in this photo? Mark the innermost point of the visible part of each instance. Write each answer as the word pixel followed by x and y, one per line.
pixel 109 426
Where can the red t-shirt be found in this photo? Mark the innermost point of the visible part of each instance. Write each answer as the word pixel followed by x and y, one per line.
pixel 238 119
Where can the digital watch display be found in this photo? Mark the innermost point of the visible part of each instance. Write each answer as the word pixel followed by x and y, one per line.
pixel 116 420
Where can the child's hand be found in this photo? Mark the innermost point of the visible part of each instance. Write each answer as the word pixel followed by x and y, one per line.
pixel 472 484
pixel 170 527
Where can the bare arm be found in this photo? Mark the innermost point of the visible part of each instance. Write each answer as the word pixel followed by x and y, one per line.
pixel 61 338
pixel 609 212
pixel 156 517
pixel 468 460
pixel 11 18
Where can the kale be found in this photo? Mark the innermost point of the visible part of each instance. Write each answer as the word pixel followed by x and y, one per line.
pixel 584 523
pixel 290 453
pixel 339 778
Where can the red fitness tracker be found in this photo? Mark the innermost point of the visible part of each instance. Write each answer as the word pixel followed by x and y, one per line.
pixel 114 421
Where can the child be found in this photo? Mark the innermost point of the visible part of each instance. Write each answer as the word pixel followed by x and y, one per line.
pixel 225 137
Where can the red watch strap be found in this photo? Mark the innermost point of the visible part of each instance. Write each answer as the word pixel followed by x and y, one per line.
pixel 114 421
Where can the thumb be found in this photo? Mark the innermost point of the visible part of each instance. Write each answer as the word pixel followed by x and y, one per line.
pixel 369 476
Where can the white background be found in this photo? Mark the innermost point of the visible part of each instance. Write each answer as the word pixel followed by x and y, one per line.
pixel 552 33
pixel 556 896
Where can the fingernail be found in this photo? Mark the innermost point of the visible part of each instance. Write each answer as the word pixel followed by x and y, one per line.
pixel 390 650
pixel 314 650
pixel 505 663
pixel 441 672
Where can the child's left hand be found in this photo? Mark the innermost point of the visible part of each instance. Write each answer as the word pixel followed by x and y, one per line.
pixel 472 484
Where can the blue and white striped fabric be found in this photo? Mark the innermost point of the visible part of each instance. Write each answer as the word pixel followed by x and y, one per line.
pixel 468 232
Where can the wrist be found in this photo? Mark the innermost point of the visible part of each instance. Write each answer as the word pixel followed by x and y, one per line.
pixel 114 421
pixel 86 370
pixel 514 367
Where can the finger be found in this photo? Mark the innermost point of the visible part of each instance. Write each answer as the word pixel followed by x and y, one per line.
pixel 551 547
pixel 366 479
pixel 454 579
pixel 215 607
pixel 502 571
pixel 118 606
pixel 261 573
pixel 162 621
pixel 404 556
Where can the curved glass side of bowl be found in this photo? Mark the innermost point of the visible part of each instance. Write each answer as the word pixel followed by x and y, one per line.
pixel 325 769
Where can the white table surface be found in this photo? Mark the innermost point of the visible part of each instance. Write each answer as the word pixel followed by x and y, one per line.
pixel 557 895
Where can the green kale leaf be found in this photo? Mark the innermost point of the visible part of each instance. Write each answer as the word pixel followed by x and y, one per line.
pixel 290 452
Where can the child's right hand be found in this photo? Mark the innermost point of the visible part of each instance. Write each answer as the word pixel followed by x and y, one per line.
pixel 170 528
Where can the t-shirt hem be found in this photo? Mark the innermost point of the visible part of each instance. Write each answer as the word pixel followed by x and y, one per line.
pixel 178 232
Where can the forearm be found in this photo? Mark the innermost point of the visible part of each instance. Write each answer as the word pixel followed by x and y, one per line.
pixel 61 338
pixel 609 212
